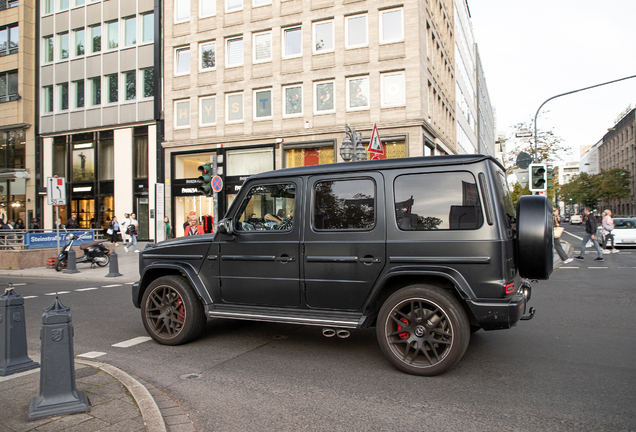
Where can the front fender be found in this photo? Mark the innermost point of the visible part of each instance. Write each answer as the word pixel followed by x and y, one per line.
pixel 156 270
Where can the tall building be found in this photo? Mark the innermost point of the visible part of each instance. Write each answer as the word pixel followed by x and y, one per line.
pixel 17 108
pixel 466 96
pixel 96 111
pixel 589 162
pixel 485 113
pixel 269 84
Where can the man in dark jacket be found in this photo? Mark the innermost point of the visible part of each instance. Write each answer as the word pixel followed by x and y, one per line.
pixel 590 233
pixel 72 223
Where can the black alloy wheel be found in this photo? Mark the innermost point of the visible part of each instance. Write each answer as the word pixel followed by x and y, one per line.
pixel 171 311
pixel 423 330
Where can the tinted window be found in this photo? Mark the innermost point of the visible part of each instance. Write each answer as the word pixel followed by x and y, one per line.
pixel 267 208
pixel 504 194
pixel 344 205
pixel 625 223
pixel 439 201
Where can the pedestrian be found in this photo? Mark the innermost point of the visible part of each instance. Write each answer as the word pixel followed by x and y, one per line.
pixel 131 230
pixel 72 223
pixel 166 222
pixel 608 227
pixel 193 228
pixel 557 241
pixel 590 231
pixel 35 226
pixel 124 228
pixel 113 230
pixel 19 224
pixel 59 224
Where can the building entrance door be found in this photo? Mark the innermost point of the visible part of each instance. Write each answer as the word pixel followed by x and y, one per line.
pixel 142 218
pixel 85 211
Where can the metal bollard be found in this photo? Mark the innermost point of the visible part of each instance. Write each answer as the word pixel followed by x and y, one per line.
pixel 58 393
pixel 71 264
pixel 113 266
pixel 13 344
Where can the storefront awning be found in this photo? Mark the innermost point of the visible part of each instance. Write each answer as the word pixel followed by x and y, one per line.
pixel 14 174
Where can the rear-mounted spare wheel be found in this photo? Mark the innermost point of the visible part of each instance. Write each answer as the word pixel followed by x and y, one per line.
pixel 534 237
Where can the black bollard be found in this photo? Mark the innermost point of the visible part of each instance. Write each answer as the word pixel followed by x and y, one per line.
pixel 113 266
pixel 58 393
pixel 13 344
pixel 71 264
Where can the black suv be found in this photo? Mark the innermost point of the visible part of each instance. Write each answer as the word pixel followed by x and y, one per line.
pixel 427 250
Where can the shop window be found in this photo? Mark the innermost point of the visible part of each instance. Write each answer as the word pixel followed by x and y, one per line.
pixel 298 157
pixel 140 153
pixel 207 58
pixel 324 98
pixel 357 93
pixel 248 162
pixel 186 166
pixel 83 162
pixel 9 86
pixel 106 156
pixel 323 37
pixel 344 205
pixel 393 149
pixel 106 211
pixel 148 27
pixel 9 38
pixel 293 96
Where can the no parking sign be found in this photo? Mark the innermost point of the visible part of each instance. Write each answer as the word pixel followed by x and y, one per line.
pixel 217 184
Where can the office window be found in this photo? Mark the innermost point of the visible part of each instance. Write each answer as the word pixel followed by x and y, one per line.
pixel 130 80
pixel 324 97
pixel 130 31
pixel 234 104
pixel 80 41
pixel 63 43
pixel 148 27
pixel 62 96
pixel 257 3
pixel 96 91
pixel 233 5
pixel 182 10
pixel 48 49
pixel 48 6
pixel 47 99
pixel 148 82
pixel 182 61
pixel 182 114
pixel 8 86
pixel 207 111
pixel 96 39
pixel 357 93
pixel 9 38
pixel 262 47
pixel 12 4
pixel 79 2
pixel 207 56
pixel 393 90
pixel 263 104
pixel 112 83
pixel 293 42
pixel 356 31
pixel 207 8
pixel 323 36
pixel 63 4
pixel 391 26
pixel 234 52
pixel 112 29
pixel 79 93
pixel 293 96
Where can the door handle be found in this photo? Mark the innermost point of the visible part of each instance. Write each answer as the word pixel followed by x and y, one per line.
pixel 370 260
pixel 285 259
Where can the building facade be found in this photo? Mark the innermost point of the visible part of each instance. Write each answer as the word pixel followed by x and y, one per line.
pixel 269 84
pixel 466 100
pixel 618 150
pixel 485 113
pixel 589 162
pixel 17 108
pixel 96 113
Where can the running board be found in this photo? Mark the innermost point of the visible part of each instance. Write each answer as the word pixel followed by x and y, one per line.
pixel 287 316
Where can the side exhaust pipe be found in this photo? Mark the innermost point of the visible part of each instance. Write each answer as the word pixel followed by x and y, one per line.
pixel 328 332
pixel 343 334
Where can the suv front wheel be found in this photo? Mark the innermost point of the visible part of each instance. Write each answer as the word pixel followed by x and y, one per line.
pixel 423 330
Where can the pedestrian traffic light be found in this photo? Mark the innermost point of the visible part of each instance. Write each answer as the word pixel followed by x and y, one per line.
pixel 205 178
pixel 538 178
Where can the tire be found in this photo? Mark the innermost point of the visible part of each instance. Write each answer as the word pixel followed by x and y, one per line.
pixel 535 231
pixel 171 311
pixel 59 265
pixel 103 261
pixel 419 347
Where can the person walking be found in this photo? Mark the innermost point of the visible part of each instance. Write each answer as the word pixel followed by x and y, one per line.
pixel 72 223
pixel 166 223
pixel 557 241
pixel 590 231
pixel 132 232
pixel 113 229
pixel 124 228
pixel 608 226
pixel 193 228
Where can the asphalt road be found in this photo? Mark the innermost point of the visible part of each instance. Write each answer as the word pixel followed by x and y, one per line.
pixel 572 367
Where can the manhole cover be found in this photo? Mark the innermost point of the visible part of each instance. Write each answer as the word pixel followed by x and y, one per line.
pixel 190 376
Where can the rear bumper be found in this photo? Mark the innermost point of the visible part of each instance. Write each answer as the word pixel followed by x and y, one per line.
pixel 501 314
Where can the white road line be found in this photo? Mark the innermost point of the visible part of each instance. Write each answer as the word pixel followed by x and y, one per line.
pixel 597 267
pixel 86 289
pixel 575 236
pixel 110 286
pixel 130 283
pixel 59 292
pixel 18 375
pixel 19 284
pixel 29 297
pixel 570 267
pixel 131 342
pixel 92 354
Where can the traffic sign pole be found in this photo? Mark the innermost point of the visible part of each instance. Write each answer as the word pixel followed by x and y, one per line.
pixel 215 211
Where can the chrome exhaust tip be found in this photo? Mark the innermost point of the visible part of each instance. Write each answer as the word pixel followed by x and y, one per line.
pixel 343 334
pixel 328 332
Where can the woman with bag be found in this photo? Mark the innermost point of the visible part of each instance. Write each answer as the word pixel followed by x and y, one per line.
pixel 132 232
pixel 608 227
pixel 558 230
pixel 113 230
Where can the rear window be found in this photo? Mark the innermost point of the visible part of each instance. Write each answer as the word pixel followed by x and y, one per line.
pixel 437 201
pixel 504 195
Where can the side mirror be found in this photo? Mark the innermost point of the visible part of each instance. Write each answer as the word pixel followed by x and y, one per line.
pixel 225 227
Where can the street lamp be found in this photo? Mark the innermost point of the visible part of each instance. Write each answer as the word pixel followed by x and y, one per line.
pixel 352 148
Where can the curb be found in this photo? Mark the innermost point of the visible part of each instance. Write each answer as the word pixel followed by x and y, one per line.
pixel 147 405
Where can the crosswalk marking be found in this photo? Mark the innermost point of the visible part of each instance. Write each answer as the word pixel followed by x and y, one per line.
pixel 92 354
pixel 19 284
pixel 131 342
pixel 130 283
pixel 110 286
pixel 28 297
pixel 59 292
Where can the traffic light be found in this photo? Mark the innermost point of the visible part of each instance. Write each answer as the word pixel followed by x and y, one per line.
pixel 538 178
pixel 205 178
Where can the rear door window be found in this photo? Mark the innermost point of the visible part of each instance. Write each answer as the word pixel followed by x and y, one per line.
pixel 344 205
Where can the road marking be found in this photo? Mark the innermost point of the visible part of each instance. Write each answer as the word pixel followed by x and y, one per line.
pixel 85 289
pixel 18 375
pixel 59 292
pixel 110 286
pixel 130 283
pixel 131 342
pixel 29 297
pixel 570 267
pixel 597 267
pixel 19 284
pixel 92 354
pixel 575 236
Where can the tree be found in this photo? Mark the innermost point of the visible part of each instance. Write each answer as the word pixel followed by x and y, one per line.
pixel 584 189
pixel 518 191
pixel 614 184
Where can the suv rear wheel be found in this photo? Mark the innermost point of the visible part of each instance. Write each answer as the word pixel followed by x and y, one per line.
pixel 171 311
pixel 423 330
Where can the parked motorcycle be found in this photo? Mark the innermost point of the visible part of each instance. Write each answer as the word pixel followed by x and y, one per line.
pixel 96 252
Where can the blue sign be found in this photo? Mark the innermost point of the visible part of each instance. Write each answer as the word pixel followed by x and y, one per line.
pixel 49 240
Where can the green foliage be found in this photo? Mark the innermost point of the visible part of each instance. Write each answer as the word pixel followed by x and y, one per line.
pixel 614 184
pixel 518 191
pixel 584 189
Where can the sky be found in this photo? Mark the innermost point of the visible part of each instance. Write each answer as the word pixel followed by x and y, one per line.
pixel 533 50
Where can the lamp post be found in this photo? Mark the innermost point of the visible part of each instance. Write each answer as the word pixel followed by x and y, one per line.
pixel 352 148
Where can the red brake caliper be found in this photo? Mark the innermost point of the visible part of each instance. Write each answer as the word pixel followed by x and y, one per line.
pixel 179 306
pixel 403 335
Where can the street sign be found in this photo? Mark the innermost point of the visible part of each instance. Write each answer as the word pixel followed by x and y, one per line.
pixel 55 191
pixel 523 134
pixel 375 145
pixel 217 184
